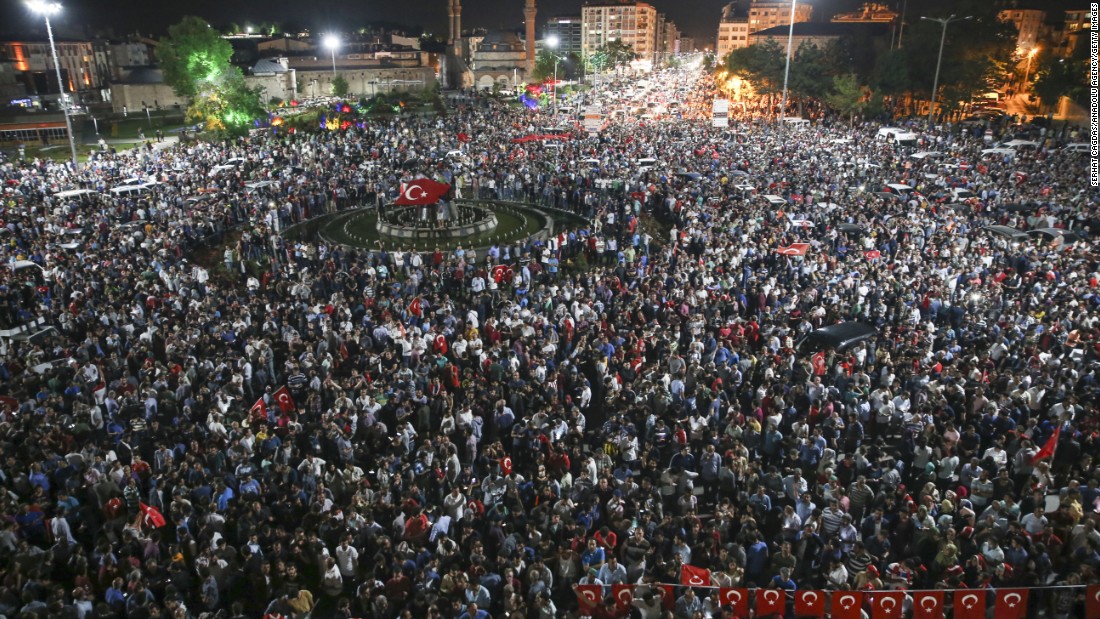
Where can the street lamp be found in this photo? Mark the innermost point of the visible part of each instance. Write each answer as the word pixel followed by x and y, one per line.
pixel 1027 72
pixel 939 60
pixel 787 69
pixel 45 9
pixel 331 41
pixel 552 42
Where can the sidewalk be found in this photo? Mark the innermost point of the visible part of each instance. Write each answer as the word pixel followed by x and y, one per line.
pixel 167 142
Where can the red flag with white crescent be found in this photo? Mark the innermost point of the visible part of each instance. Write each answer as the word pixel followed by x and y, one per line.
pixel 624 595
pixel 735 599
pixel 501 273
pixel 847 605
pixel 283 399
pixel 794 249
pixel 1092 602
pixel 506 465
pixel 588 597
pixel 692 576
pixel 809 603
pixel 770 602
pixel 421 191
pixel 258 410
pixel 1011 604
pixel 927 604
pixel 887 604
pixel 970 604
pixel 668 596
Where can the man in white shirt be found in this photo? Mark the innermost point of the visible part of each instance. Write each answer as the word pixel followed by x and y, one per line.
pixel 347 558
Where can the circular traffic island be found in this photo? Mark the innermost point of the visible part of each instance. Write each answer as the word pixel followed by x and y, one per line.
pixel 465 223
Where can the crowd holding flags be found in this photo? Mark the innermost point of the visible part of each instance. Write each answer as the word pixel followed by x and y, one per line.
pixel 742 603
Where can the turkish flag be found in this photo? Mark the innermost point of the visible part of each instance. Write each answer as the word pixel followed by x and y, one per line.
pixel 421 191
pixel 770 602
pixel 502 273
pixel 462 137
pixel 668 596
pixel 1092 602
pixel 809 603
pixel 1011 603
pixel 153 517
pixel 735 599
pixel 414 307
pixel 283 399
pixel 927 604
pixel 970 604
pixel 258 411
pixel 1047 450
pixel 887 604
pixel 847 604
pixel 818 361
pixel 589 596
pixel 872 254
pixel 692 576
pixel 795 249
pixel 624 595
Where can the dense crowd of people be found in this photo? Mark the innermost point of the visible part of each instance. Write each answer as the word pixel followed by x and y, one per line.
pixel 211 419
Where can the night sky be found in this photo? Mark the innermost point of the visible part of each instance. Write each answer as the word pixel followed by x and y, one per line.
pixel 697 18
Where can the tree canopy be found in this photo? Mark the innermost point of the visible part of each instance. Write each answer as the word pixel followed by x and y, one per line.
pixel 195 61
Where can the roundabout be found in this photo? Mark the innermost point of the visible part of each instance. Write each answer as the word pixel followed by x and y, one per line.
pixel 466 223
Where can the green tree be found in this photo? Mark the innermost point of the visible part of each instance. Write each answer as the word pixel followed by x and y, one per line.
pixel 195 62
pixel 847 96
pixel 544 66
pixel 339 86
pixel 811 73
pixel 1061 77
pixel 891 73
pixel 193 56
pixel 618 53
pixel 761 64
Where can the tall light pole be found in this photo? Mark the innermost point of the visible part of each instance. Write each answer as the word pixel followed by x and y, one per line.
pixel 45 9
pixel 331 41
pixel 1027 72
pixel 787 69
pixel 552 43
pixel 943 37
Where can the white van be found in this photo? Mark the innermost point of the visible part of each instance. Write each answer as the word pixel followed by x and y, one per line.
pixel 775 200
pixel 130 191
pixel 1077 147
pixel 899 136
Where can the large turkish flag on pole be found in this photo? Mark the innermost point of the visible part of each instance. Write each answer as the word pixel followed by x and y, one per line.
pixel 809 603
pixel 927 604
pixel 1011 604
pixel 970 604
pixel 422 191
pixel 735 599
pixel 887 604
pixel 847 604
pixel 770 602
